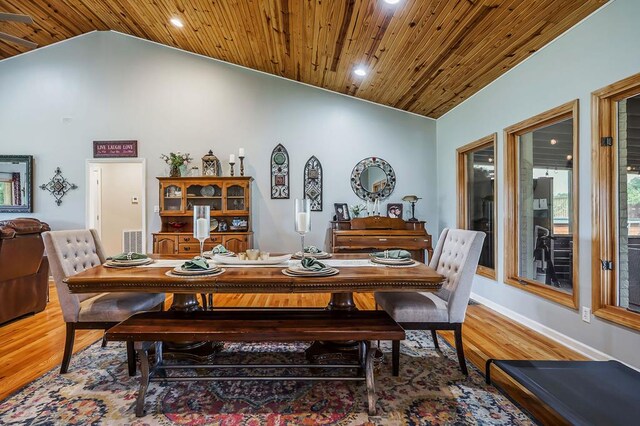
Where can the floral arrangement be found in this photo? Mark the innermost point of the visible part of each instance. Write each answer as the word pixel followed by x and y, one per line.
pixel 176 160
pixel 356 209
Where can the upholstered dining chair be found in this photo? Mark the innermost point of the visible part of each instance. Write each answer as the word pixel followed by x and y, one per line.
pixel 456 258
pixel 71 252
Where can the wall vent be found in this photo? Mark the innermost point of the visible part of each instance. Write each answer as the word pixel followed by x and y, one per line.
pixel 132 241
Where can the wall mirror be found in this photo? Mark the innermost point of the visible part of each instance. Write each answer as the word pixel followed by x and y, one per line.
pixel 372 179
pixel 16 177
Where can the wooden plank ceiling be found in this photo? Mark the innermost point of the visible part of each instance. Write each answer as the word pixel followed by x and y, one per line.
pixel 423 56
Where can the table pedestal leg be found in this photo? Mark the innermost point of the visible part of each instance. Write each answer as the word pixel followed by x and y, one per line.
pixel 197 351
pixel 320 350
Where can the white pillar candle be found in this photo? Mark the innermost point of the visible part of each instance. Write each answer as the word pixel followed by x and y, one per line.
pixel 202 228
pixel 232 158
pixel 302 222
pixel 241 152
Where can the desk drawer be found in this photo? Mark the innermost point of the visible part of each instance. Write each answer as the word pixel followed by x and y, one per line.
pixel 188 239
pixel 382 242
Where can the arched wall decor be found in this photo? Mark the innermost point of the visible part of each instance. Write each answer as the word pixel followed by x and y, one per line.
pixel 279 173
pixel 313 183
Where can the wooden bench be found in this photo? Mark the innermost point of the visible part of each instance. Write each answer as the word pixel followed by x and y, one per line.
pixel 150 329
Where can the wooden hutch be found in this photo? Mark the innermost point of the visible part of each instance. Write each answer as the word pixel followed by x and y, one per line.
pixel 364 235
pixel 230 201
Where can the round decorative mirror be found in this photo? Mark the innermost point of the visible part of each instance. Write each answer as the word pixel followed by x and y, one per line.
pixel 372 179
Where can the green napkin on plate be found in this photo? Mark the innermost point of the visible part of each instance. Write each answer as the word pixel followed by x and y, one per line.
pixel 312 249
pixel 392 254
pixel 312 264
pixel 196 264
pixel 128 256
pixel 219 249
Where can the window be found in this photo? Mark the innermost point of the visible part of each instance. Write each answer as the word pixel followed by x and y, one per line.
pixel 477 197
pixel 541 226
pixel 616 206
pixel 5 193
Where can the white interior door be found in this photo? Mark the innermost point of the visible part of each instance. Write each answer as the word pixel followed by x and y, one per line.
pixel 116 203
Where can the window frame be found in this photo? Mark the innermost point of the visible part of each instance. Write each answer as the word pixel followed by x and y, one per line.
pixel 462 190
pixel 604 208
pixel 511 232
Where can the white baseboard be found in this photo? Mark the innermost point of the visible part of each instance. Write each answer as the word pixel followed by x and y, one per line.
pixel 563 339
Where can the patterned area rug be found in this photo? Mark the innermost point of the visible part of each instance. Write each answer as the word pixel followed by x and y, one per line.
pixel 430 390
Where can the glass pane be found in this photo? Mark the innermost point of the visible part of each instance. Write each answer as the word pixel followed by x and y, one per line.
pixel 480 203
pixel 204 195
pixel 545 170
pixel 235 198
pixel 628 144
pixel 172 198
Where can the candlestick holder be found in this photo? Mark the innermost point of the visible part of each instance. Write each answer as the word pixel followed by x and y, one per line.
pixel 232 165
pixel 241 165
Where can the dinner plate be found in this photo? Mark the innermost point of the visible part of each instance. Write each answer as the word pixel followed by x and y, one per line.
pixel 127 263
pixel 272 260
pixel 172 273
pixel 392 262
pixel 208 191
pixel 298 271
pixel 146 259
pixel 321 255
pixel 179 271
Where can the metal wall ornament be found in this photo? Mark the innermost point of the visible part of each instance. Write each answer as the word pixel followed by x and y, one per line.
pixel 58 186
pixel 313 183
pixel 279 173
pixel 373 179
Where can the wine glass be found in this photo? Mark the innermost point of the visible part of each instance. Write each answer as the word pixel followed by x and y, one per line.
pixel 201 225
pixel 302 219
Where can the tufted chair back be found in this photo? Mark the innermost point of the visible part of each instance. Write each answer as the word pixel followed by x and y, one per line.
pixel 456 257
pixel 71 252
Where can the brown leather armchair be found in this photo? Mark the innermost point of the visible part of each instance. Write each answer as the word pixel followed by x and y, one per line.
pixel 24 270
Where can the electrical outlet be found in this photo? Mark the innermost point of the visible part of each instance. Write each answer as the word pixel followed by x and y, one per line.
pixel 156 209
pixel 586 314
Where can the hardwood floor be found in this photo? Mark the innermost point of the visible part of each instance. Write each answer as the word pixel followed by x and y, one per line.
pixel 33 345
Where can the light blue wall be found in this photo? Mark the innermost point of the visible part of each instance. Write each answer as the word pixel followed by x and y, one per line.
pixel 601 50
pixel 107 86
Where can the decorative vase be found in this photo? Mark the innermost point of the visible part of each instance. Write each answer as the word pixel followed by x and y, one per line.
pixel 174 171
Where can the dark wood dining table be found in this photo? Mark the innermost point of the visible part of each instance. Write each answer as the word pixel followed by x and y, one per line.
pixel 351 279
pixel 369 278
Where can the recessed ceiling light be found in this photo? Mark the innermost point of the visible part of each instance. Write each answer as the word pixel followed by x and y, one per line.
pixel 553 141
pixel 360 72
pixel 392 1
pixel 176 22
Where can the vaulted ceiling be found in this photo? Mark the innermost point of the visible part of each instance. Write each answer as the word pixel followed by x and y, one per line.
pixel 423 56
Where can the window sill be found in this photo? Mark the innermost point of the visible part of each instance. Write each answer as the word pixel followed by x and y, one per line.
pixel 486 272
pixel 619 316
pixel 557 296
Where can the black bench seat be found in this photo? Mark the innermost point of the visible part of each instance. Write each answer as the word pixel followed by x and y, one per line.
pixel 582 392
pixel 151 329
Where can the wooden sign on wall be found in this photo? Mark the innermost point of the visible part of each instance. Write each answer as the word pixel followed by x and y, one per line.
pixel 115 149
